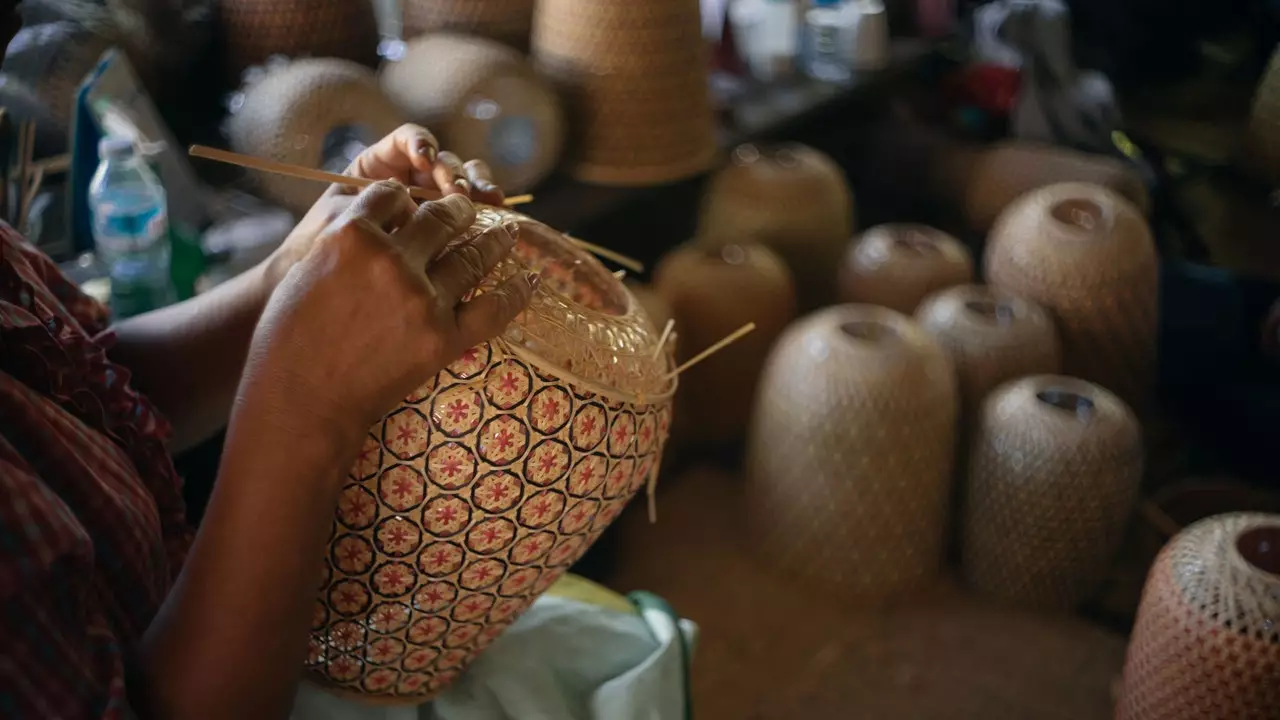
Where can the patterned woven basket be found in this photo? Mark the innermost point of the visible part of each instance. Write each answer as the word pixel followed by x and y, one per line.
pixel 897 266
pixel 850 456
pixel 993 179
pixel 484 485
pixel 791 198
pixel 254 30
pixel 634 76
pixel 712 292
pixel 506 21
pixel 306 113
pixel 484 101
pixel 1086 254
pixel 1206 643
pixel 1054 470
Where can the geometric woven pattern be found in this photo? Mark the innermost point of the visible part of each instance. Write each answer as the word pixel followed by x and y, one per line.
pixel 506 21
pixel 1207 639
pixel 254 30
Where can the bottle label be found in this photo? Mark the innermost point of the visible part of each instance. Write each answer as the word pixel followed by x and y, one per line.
pixel 826 40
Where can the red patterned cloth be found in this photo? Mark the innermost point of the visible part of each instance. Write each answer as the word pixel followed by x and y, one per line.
pixel 92 524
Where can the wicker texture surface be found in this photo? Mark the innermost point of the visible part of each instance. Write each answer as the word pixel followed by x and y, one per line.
pixel 1054 471
pixel 898 265
pixel 1207 640
pixel 484 101
pixel 850 453
pixel 505 21
pixel 634 76
pixel 1085 254
pixel 254 30
pixel 792 198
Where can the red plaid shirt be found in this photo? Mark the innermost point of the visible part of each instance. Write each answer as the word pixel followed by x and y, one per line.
pixel 92 525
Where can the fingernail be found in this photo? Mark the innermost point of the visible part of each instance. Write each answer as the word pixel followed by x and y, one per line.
pixel 484 186
pixel 512 227
pixel 534 280
pixel 463 184
pixel 425 148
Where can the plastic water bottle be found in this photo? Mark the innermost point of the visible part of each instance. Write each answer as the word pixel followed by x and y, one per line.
pixel 131 229
pixel 828 26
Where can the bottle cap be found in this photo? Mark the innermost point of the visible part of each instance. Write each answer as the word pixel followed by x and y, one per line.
pixel 114 147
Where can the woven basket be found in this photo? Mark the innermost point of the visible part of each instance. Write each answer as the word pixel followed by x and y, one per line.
pixel 897 266
pixel 991 180
pixel 1206 643
pixel 655 306
pixel 1085 254
pixel 635 79
pixel 712 292
pixel 850 454
pixel 506 21
pixel 475 494
pixel 301 113
pixel 791 198
pixel 1054 471
pixel 254 30
pixel 484 101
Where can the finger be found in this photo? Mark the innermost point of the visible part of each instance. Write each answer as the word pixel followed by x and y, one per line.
pixel 448 174
pixel 407 155
pixel 463 267
pixel 481 178
pixel 488 315
pixel 386 205
pixel 433 225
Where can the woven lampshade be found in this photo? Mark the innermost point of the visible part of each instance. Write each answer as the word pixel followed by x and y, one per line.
pixel 1085 254
pixel 712 292
pixel 506 21
pixel 850 453
pixel 1206 643
pixel 897 266
pixel 792 198
pixel 991 336
pixel 306 113
pixel 1054 469
pixel 992 179
pixel 1264 124
pixel 254 30
pixel 634 77
pixel 482 100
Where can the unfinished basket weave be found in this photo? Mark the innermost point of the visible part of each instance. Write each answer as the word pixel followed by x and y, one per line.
pixel 1207 639
pixel 483 486
pixel 506 21
pixel 483 101
pixel 851 450
pixel 898 265
pixel 712 292
pixel 1086 254
pixel 254 30
pixel 634 76
pixel 792 198
pixel 1054 471
pixel 304 113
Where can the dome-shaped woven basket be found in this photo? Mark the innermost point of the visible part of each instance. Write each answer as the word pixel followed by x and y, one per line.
pixel 791 198
pixel 484 101
pixel 712 292
pixel 655 306
pixel 254 30
pixel 1264 123
pixel 850 457
pixel 634 76
pixel 506 21
pixel 897 266
pixel 991 336
pixel 1085 253
pixel 1207 640
pixel 1004 172
pixel 305 113
pixel 484 485
pixel 1054 471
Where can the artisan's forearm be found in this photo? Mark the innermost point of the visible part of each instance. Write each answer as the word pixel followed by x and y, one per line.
pixel 230 640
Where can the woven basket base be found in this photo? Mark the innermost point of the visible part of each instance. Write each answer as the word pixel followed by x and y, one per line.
pixel 648 175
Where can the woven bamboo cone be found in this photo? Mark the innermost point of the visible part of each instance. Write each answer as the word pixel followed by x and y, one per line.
pixel 898 265
pixel 792 198
pixel 254 30
pixel 1054 471
pixel 711 293
pixel 441 81
pixel 634 77
pixel 506 21
pixel 850 454
pixel 1205 644
pixel 1086 254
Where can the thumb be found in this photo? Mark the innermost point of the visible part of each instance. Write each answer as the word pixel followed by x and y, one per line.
pixel 487 315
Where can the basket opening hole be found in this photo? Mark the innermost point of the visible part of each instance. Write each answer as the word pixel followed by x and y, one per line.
pixel 1079 213
pixel 868 331
pixel 1067 401
pixel 916 242
pixel 1260 547
pixel 991 310
pixel 342 145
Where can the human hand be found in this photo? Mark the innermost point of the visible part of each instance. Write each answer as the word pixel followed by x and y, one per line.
pixel 375 309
